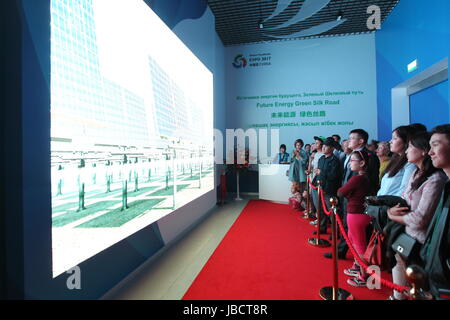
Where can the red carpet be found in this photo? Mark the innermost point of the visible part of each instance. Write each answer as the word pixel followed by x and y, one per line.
pixel 265 256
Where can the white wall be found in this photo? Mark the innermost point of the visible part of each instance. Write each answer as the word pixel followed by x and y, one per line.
pixel 319 65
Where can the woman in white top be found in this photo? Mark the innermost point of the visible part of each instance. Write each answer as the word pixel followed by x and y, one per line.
pixel 422 196
pixel 399 170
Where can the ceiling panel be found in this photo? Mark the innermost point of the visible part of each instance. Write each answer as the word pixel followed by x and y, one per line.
pixel 245 21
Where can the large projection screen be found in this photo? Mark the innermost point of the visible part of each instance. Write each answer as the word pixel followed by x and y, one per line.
pixel 131 125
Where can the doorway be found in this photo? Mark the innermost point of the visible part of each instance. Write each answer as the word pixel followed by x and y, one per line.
pixel 411 98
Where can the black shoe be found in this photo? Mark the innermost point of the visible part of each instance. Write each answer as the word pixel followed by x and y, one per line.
pixel 329 256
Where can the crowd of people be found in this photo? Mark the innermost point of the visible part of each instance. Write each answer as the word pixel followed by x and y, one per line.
pixel 413 166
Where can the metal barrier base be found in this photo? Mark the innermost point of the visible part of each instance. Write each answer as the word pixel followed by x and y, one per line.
pixel 322 243
pixel 326 293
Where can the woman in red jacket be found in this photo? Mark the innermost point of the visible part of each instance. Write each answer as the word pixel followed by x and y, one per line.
pixel 355 190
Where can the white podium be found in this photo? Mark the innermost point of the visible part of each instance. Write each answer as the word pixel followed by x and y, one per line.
pixel 274 184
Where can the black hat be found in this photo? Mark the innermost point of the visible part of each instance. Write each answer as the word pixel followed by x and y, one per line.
pixel 330 142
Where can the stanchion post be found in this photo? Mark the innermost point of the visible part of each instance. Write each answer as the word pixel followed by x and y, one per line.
pixel 335 252
pixel 310 206
pixel 319 211
pixel 308 201
pixel 318 242
pixel 418 279
pixel 334 292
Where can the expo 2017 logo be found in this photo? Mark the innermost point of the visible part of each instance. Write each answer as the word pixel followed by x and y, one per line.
pixel 240 62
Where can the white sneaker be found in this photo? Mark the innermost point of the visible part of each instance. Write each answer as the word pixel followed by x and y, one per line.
pixel 313 223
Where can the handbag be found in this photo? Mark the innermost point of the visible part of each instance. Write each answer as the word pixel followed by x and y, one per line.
pixel 378 215
pixel 375 251
pixel 407 247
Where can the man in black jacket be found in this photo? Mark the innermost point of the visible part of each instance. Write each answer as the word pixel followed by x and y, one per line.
pixel 436 250
pixel 329 174
pixel 357 141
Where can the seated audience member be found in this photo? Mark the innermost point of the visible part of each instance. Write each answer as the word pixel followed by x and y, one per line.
pixel 282 157
pixel 383 152
pixel 422 196
pixel 399 170
pixel 329 174
pixel 435 251
pixel 355 190
pixel 296 198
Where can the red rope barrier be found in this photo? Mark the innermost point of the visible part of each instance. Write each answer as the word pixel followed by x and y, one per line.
pixel 311 185
pixel 384 282
pixel 324 206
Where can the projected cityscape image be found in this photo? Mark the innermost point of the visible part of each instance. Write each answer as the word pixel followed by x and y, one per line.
pixel 131 129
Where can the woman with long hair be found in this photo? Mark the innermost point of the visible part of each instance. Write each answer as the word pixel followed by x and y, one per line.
pixel 422 196
pixel 399 170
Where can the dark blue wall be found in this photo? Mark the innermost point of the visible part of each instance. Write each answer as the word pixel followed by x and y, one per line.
pixel 415 29
pixel 28 243
pixel 11 224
